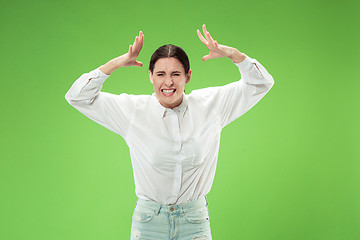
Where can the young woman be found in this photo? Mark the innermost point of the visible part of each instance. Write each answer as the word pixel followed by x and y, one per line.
pixel 173 137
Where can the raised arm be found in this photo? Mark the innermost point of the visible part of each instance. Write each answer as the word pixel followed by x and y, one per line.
pixel 217 50
pixel 128 59
pixel 109 110
pixel 234 99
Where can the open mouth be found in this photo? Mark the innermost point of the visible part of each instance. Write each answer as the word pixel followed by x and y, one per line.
pixel 168 92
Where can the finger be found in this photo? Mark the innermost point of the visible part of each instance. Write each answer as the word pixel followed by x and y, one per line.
pixel 203 40
pixel 211 38
pixel 137 46
pixel 209 56
pixel 133 46
pixel 139 64
pixel 136 42
pixel 130 49
pixel 141 39
pixel 206 32
pixel 204 29
pixel 141 36
pixel 206 57
pixel 208 37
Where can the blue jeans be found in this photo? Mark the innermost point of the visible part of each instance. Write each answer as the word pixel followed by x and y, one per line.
pixel 155 221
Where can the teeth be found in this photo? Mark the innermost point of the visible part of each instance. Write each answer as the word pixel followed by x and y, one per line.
pixel 168 91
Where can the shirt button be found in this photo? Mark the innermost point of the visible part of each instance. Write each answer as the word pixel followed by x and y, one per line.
pixel 172 209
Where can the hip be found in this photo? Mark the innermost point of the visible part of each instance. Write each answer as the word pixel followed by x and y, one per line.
pixel 152 220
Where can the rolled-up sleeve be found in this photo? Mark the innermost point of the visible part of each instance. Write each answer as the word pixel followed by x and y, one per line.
pixel 109 110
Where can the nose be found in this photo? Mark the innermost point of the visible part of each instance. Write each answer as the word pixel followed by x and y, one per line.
pixel 169 81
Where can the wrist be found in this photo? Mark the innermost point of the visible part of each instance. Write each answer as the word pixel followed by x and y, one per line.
pixel 236 56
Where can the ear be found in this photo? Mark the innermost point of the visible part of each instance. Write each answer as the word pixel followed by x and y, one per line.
pixel 188 76
pixel 150 76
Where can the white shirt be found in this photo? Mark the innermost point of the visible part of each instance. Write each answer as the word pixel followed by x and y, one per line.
pixel 173 151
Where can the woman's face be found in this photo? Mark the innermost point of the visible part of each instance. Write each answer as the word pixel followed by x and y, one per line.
pixel 169 79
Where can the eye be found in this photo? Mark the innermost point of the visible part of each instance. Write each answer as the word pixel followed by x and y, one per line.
pixel 176 74
pixel 160 74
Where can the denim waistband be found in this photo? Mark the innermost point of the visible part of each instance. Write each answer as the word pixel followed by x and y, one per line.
pixel 184 207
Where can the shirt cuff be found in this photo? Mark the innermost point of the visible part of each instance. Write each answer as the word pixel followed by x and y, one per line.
pixel 245 64
pixel 97 75
pixel 253 72
pixel 248 64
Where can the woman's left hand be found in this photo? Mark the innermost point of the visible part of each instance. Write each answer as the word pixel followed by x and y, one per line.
pixel 218 50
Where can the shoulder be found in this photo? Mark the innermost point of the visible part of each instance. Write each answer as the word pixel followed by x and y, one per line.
pixel 131 99
pixel 202 97
pixel 202 92
pixel 205 94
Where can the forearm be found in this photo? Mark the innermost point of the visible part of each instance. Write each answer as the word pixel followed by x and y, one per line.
pixel 114 64
pixel 88 85
pixel 108 67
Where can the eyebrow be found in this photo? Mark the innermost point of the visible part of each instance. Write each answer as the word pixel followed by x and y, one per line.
pixel 164 72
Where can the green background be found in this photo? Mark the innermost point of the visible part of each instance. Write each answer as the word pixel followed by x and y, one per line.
pixel 287 169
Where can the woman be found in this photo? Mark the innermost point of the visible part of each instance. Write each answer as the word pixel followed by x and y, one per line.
pixel 173 137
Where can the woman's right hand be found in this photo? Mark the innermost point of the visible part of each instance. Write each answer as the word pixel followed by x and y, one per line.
pixel 128 59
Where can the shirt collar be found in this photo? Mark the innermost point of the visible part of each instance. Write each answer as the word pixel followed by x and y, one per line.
pixel 182 108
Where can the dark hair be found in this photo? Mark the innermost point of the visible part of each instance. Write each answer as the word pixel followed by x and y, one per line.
pixel 167 51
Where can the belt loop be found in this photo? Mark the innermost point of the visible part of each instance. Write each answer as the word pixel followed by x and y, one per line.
pixel 182 209
pixel 158 209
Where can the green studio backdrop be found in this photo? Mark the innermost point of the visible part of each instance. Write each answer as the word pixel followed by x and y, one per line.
pixel 287 169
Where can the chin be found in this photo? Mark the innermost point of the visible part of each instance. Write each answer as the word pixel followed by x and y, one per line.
pixel 170 104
